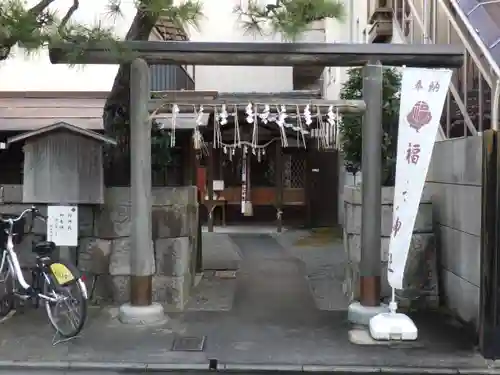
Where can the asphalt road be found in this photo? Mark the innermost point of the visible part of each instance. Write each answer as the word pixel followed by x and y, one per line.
pixel 335 371
pixel 98 372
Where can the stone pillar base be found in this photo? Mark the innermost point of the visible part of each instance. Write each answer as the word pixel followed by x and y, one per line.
pixel 142 315
pixel 361 315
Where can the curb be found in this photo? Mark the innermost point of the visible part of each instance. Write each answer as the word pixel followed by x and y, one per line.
pixel 238 368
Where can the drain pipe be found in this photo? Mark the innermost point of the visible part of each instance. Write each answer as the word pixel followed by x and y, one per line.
pixel 495 102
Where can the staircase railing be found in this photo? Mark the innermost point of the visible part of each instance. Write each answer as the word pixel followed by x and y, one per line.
pixel 493 65
pixel 472 103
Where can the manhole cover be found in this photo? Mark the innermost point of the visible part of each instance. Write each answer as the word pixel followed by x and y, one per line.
pixel 189 344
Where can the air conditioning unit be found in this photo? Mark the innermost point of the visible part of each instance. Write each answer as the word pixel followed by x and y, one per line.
pixel 384 3
pixel 380 19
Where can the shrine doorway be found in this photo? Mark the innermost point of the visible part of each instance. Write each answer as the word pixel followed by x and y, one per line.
pixel 292 187
pixel 322 187
pixel 256 200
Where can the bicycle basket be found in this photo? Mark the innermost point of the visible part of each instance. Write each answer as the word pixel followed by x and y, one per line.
pixel 18 229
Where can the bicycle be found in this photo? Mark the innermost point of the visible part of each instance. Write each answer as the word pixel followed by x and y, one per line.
pixel 51 282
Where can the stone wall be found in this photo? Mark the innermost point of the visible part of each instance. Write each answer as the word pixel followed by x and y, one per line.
pixel 455 181
pixel 420 274
pixel 104 243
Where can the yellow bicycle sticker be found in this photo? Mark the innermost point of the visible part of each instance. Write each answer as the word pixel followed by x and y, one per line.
pixel 62 274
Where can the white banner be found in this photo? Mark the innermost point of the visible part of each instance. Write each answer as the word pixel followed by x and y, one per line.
pixel 423 93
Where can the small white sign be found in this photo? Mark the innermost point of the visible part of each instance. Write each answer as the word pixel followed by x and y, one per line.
pixel 62 225
pixel 218 185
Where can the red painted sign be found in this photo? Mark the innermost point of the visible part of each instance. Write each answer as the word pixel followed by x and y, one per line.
pixel 419 116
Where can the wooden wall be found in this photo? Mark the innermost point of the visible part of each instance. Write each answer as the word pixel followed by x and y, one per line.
pixel 63 167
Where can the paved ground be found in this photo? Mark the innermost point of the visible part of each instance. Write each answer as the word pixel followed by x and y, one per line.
pixel 220 252
pixel 323 262
pixel 273 319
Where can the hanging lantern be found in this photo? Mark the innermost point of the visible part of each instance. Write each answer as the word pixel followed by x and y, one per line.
pixel 197 139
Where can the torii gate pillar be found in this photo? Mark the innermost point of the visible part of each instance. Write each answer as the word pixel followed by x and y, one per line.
pixel 141 310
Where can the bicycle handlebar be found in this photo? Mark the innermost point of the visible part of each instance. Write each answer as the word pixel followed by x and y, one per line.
pixel 33 210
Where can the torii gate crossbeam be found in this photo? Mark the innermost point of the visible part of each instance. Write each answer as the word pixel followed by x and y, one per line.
pixel 267 54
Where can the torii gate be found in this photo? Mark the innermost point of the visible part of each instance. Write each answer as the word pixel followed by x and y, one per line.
pixel 369 56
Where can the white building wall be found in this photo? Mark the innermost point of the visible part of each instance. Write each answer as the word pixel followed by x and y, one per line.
pixel 350 31
pixel 397 36
pixel 221 24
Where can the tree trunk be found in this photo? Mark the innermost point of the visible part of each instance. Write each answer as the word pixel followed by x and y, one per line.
pixel 117 103
pixel 116 110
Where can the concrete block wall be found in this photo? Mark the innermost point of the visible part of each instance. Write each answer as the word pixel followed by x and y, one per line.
pixel 420 278
pixel 455 181
pixel 104 242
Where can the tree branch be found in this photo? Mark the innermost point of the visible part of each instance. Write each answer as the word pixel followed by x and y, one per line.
pixel 40 7
pixel 68 15
pixel 288 17
pixel 8 43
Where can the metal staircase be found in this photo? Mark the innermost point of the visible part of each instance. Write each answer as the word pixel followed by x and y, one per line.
pixel 472 103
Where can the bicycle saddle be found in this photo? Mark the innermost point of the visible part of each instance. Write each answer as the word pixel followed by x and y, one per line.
pixel 44 248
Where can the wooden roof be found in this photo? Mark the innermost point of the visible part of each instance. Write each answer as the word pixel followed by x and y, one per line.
pixel 62 126
pixel 27 111
pixel 167 30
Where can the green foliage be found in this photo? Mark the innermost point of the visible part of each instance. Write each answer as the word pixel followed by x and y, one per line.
pixel 161 152
pixel 35 27
pixel 350 126
pixel 288 17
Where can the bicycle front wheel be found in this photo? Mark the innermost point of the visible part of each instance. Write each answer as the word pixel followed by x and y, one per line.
pixel 7 302
pixel 69 313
